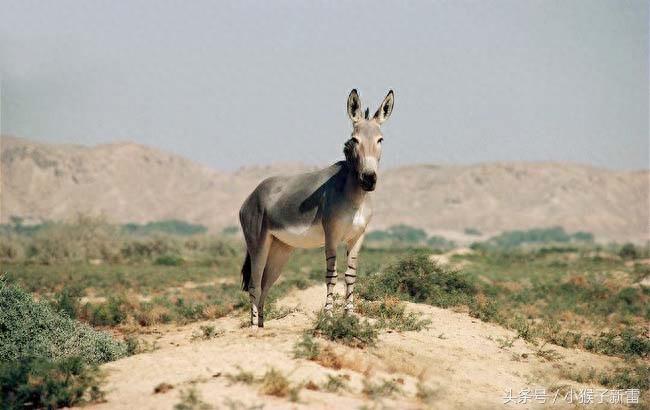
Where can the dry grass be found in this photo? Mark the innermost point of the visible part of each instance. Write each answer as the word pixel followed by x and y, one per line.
pixel 206 332
pixel 384 388
pixel 242 376
pixel 275 383
pixel 326 355
pixel 213 312
pixel 357 362
pixel 548 354
pixel 329 358
pixel 335 383
pixel 191 400
pixel 155 315
pixel 397 360
pixel 162 388
pixel 425 394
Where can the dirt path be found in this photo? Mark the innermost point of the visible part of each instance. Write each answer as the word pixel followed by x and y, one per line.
pixel 464 361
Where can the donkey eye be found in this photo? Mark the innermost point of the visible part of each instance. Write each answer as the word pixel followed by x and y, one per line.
pixel 380 140
pixel 354 140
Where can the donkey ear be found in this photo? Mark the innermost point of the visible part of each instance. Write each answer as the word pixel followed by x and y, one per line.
pixel 354 106
pixel 385 108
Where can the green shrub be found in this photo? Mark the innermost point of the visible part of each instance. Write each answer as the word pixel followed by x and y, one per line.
pixel 132 345
pixel 391 313
pixel 581 236
pixel 109 313
pixel 378 236
pixel 473 232
pixel 440 243
pixel 398 234
pixel 417 279
pixel 230 230
pixel 204 302
pixel 188 311
pixel 555 249
pixel 408 234
pixel 169 260
pixel 512 239
pixel 83 239
pixel 524 328
pixel 12 248
pixel 150 248
pixel 485 309
pixel 42 383
pixel 553 332
pixel 171 227
pixel 33 329
pixel 629 342
pixel 346 329
pixel 67 301
pixel 307 348
pixel 635 376
pixel 17 227
pixel 628 251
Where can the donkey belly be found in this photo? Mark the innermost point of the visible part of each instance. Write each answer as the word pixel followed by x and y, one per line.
pixel 302 236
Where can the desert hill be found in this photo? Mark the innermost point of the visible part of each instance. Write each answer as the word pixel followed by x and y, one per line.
pixel 463 359
pixel 134 183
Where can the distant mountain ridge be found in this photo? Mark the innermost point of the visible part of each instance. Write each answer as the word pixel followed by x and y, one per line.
pixel 134 183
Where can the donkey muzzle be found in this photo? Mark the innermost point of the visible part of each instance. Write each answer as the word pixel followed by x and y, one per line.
pixel 368 180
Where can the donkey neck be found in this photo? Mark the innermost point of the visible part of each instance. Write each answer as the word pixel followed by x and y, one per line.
pixel 352 188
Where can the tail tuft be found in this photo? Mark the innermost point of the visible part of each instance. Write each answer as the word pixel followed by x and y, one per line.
pixel 246 273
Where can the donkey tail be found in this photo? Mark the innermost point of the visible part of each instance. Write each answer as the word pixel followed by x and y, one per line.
pixel 246 273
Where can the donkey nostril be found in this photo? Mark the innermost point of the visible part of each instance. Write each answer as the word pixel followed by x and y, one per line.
pixel 369 178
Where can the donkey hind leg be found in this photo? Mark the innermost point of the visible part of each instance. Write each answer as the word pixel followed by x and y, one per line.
pixel 258 241
pixel 259 256
pixel 279 253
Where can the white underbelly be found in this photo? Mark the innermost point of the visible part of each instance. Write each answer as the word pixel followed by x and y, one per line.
pixel 348 227
pixel 311 236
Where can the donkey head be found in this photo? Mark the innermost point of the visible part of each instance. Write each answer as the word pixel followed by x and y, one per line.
pixel 363 149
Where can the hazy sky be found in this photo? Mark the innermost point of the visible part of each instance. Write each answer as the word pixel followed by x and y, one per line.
pixel 249 82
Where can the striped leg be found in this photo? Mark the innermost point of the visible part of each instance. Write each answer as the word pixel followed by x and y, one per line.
pixel 330 277
pixel 351 273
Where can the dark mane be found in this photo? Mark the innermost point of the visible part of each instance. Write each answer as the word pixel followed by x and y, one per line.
pixel 348 148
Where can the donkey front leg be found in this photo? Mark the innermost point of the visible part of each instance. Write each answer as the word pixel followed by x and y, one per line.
pixel 354 246
pixel 330 275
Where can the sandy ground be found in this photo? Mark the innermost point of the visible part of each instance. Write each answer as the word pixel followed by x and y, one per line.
pixel 461 358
